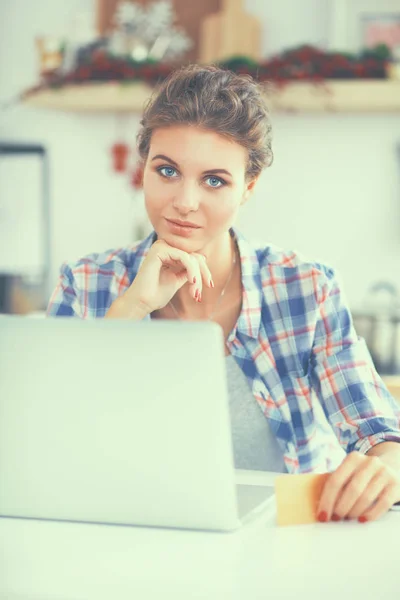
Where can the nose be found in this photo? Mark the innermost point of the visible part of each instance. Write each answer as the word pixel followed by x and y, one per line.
pixel 187 198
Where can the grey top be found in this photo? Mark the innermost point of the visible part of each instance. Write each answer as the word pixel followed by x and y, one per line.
pixel 254 444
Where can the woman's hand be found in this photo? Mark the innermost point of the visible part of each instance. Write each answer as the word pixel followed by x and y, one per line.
pixel 363 487
pixel 163 272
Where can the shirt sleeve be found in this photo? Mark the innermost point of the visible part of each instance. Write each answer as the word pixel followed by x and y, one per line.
pixel 356 401
pixel 64 300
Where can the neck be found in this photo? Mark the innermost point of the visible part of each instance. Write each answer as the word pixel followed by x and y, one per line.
pixel 219 253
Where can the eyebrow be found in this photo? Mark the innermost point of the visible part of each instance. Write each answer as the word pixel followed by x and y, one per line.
pixel 213 171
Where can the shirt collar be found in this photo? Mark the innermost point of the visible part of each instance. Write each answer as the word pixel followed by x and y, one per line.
pixel 250 315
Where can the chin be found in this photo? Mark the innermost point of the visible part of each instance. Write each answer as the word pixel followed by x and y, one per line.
pixel 188 245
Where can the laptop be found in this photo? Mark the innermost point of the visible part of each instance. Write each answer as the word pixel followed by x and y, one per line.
pixel 120 422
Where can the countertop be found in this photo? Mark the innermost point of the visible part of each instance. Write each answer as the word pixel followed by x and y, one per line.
pixel 70 561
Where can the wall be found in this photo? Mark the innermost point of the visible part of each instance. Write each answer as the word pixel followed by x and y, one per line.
pixel 332 192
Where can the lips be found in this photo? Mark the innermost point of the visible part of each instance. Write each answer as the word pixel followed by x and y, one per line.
pixel 184 224
pixel 177 228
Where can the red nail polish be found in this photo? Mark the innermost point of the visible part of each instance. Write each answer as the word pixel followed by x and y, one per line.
pixel 322 517
pixel 362 519
pixel 335 517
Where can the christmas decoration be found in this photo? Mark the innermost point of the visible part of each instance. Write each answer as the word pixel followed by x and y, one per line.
pixel 305 63
pixel 51 52
pixel 144 34
pixel 308 63
pixel 137 176
pixel 151 33
pixel 140 37
pixel 120 153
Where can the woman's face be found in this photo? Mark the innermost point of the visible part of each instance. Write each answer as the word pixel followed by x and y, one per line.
pixel 195 176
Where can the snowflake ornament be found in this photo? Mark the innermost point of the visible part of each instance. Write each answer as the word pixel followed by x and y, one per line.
pixel 127 13
pixel 179 44
pixel 151 30
pixel 160 17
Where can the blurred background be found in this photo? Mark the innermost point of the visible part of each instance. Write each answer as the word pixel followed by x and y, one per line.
pixel 74 77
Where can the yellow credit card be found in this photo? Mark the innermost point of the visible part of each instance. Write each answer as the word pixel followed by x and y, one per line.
pixel 297 498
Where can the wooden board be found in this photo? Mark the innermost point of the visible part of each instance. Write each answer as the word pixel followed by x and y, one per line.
pixel 105 10
pixel 231 32
pixel 94 97
pixel 190 14
pixel 335 97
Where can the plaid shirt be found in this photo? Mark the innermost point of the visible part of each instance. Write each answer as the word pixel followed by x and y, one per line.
pixel 310 373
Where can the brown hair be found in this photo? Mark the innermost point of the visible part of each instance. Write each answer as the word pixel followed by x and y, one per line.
pixel 212 98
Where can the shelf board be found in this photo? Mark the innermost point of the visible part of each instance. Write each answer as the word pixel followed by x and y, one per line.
pixel 93 97
pixel 355 96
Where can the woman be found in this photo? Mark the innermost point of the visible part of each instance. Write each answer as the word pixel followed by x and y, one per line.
pixel 205 138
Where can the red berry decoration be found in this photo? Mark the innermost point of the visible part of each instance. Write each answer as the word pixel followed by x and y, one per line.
pixel 120 152
pixel 137 177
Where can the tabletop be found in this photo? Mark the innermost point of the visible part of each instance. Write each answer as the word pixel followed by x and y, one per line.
pixel 72 561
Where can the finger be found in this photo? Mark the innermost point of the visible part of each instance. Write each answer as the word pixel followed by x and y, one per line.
pixel 167 253
pixel 359 486
pixel 388 497
pixel 196 285
pixel 204 270
pixel 335 483
pixel 371 494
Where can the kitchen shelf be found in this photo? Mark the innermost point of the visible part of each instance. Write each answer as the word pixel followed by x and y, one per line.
pixel 374 95
pixel 93 97
pixel 353 96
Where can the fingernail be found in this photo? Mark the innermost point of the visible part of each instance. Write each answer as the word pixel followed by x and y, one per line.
pixel 194 279
pixel 322 517
pixel 196 294
pixel 362 519
pixel 211 283
pixel 199 298
pixel 335 517
pixel 347 518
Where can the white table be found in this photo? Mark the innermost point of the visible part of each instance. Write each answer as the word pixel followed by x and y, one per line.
pixel 68 561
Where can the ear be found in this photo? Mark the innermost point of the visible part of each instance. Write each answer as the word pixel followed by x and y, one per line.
pixel 249 189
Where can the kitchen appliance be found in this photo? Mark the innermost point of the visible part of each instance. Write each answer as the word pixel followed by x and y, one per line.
pixel 378 322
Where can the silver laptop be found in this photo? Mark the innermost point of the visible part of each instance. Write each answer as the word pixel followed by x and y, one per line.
pixel 123 422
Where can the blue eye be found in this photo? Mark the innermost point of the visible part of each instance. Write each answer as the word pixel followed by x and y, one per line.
pixel 168 172
pixel 215 182
pixel 171 173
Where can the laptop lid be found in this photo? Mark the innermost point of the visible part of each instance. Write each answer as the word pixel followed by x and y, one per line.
pixel 115 421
